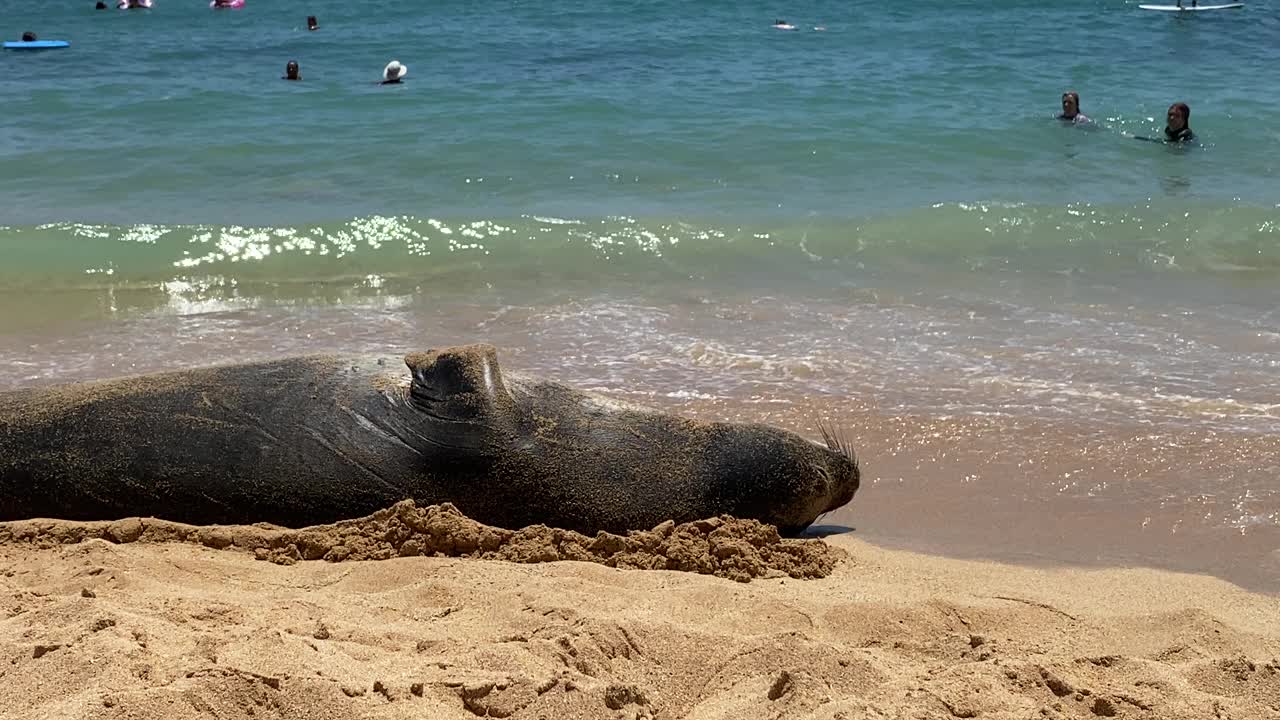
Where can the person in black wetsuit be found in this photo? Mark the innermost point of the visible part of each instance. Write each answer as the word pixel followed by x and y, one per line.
pixel 1177 129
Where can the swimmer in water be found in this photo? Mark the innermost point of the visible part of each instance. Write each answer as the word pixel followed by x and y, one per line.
pixel 1071 109
pixel 1177 128
pixel 28 36
pixel 393 73
pixel 783 25
pixel 311 23
pixel 100 6
pixel 291 71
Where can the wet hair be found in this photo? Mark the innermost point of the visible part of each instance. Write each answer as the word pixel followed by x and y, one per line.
pixel 100 6
pixel 1075 96
pixel 1182 108
pixel 28 36
pixel 311 21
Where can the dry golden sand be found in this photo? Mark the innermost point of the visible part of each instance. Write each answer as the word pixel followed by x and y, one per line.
pixel 151 620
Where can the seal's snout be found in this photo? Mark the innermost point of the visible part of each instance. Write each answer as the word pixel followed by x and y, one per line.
pixel 844 480
pixel 842 471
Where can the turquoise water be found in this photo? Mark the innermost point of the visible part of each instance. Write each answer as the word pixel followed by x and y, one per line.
pixel 654 109
pixel 880 223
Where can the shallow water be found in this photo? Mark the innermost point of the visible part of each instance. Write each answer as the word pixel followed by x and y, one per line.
pixel 1048 343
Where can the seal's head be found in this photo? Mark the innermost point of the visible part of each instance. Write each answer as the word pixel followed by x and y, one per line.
pixel 573 460
pixel 786 480
pixel 842 473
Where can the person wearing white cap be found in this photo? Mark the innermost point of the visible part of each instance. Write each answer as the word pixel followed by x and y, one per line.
pixel 393 72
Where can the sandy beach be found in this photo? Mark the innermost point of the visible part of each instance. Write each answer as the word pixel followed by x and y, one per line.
pixel 144 619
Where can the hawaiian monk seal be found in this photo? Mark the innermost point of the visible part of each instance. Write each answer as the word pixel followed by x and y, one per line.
pixel 310 440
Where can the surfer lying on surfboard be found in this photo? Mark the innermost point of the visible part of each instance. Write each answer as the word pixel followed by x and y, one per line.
pixel 1180 8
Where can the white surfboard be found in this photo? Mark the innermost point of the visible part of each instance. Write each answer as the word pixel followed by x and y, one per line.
pixel 1189 8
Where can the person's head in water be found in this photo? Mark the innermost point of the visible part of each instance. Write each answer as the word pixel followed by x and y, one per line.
pixel 311 22
pixel 1070 105
pixel 28 36
pixel 100 6
pixel 1071 109
pixel 291 71
pixel 393 72
pixel 1177 124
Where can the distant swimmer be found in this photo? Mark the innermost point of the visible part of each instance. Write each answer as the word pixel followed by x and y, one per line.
pixel 133 5
pixel 393 72
pixel 311 23
pixel 783 25
pixel 1071 108
pixel 291 71
pixel 1177 129
pixel 28 36
pixel 100 6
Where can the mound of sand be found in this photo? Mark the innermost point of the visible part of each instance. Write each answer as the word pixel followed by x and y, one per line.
pixel 725 546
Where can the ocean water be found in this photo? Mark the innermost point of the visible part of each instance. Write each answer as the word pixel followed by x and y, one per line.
pixel 1049 343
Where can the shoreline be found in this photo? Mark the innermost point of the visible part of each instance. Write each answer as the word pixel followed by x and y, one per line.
pixel 1058 534
pixel 1033 492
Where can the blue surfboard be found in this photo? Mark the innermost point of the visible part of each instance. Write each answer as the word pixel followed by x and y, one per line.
pixel 36 45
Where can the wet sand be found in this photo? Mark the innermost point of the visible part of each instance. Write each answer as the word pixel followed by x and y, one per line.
pixel 1009 487
pixel 1044 494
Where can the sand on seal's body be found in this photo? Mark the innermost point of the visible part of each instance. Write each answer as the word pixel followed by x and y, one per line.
pixel 144 629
